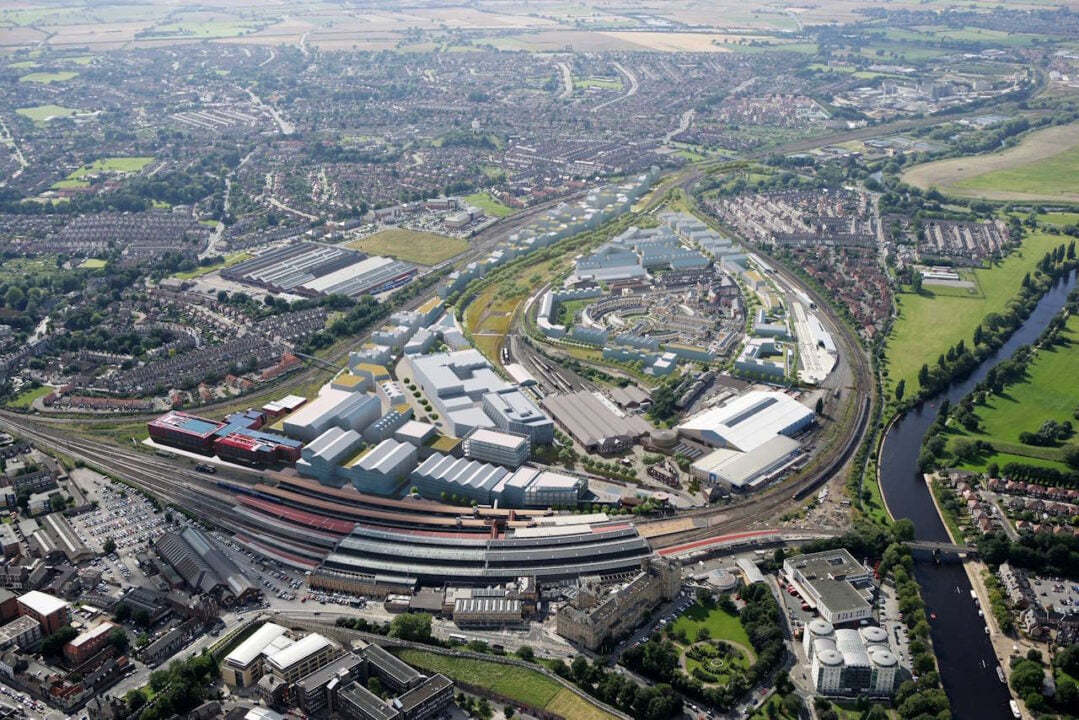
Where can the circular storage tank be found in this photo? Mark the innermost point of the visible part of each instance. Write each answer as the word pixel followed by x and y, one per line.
pixel 722 580
pixel 833 658
pixel 664 438
pixel 874 634
pixel 883 658
pixel 820 628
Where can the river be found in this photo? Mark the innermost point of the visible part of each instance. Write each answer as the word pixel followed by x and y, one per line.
pixel 967 662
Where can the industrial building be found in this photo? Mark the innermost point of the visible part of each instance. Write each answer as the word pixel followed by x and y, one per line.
pixel 749 421
pixel 851 662
pixel 313 269
pixel 735 470
pixel 204 568
pixel 500 448
pixel 834 583
pixel 595 422
pixel 348 410
pixel 468 394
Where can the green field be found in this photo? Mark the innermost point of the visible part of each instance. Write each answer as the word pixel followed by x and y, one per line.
pixel 721 625
pixel 489 205
pixel 93 263
pixel 112 164
pixel 516 683
pixel 1054 175
pixel 69 183
pixel 423 248
pixel 602 83
pixel 1049 392
pixel 43 113
pixel 229 261
pixel 928 324
pixel 48 78
pixel 25 398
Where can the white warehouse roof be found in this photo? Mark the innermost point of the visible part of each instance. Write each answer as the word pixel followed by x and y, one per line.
pixel 749 421
pixel 298 651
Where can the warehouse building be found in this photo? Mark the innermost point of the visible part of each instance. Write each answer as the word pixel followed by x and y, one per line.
pixel 595 422
pixel 738 471
pixel 88 643
pixel 333 408
pixel 851 662
pixel 238 439
pixel 749 421
pixel 530 487
pixel 834 583
pixel 204 568
pixel 499 448
pixel 487 612
pixel 382 469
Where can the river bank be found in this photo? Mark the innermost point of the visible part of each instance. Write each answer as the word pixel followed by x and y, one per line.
pixel 967 660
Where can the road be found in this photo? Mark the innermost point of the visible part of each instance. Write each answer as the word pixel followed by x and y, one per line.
pixel 634 85
pixel 283 125
pixel 567 81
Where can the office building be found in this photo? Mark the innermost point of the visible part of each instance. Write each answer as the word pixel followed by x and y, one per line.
pixel 834 583
pixel 22 632
pixel 51 612
pixel 499 448
pixel 243 667
pixel 851 662
pixel 301 658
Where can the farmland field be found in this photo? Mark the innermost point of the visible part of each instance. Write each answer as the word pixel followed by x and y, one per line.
pixel 423 248
pixel 1043 166
pixel 929 323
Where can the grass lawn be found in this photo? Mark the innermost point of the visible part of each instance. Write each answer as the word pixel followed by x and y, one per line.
pixel 721 625
pixel 93 263
pixel 48 78
pixel 230 260
pixel 604 83
pixel 516 683
pixel 44 113
pixel 1050 392
pixel 928 324
pixel 423 248
pixel 488 204
pixel 1059 219
pixel 24 399
pixel 569 704
pixel 767 713
pixel 112 164
pixel 69 183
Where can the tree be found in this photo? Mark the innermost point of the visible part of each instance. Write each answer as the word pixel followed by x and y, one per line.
pixel 1027 678
pixel 375 686
pixel 900 390
pixel 903 530
pixel 415 627
pixel 1071 456
pixel 508 712
pixel 526 653
pixel 109 547
pixel 53 644
pixel 923 375
pixel 119 640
